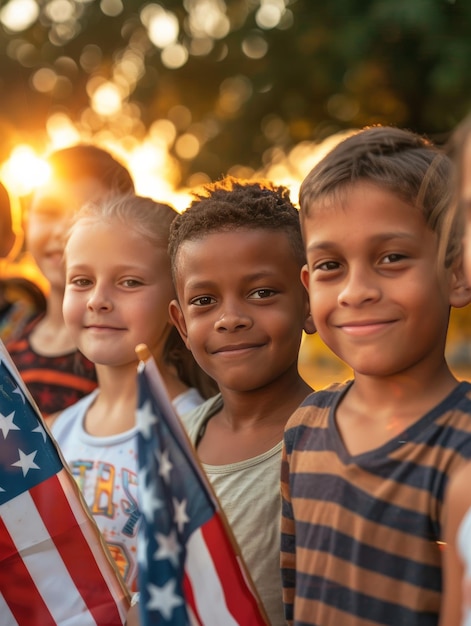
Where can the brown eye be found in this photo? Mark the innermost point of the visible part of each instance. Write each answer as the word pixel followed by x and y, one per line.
pixel 327 266
pixel 203 301
pixel 262 293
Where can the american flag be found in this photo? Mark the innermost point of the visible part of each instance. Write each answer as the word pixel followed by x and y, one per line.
pixel 190 571
pixel 54 568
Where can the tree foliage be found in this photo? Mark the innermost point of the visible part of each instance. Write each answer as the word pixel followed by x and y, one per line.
pixel 241 78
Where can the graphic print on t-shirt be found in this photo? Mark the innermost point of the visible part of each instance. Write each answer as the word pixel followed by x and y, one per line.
pixel 111 495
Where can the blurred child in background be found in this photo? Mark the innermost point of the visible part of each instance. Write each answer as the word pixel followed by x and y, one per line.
pixel 21 299
pixel 56 373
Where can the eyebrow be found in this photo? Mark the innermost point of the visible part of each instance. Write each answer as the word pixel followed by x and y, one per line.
pixel 380 238
pixel 202 284
pixel 117 269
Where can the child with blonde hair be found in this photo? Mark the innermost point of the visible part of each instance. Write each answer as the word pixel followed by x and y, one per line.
pixel 118 288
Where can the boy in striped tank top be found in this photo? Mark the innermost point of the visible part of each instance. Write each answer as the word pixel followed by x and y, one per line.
pixel 365 463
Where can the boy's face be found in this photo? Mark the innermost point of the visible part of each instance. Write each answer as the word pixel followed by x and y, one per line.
pixel 49 219
pixel 466 200
pixel 378 298
pixel 241 306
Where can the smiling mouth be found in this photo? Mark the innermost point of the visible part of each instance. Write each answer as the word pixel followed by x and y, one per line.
pixel 55 255
pixel 236 348
pixel 96 327
pixel 365 328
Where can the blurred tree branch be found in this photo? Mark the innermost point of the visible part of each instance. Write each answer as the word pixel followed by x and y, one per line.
pixel 238 80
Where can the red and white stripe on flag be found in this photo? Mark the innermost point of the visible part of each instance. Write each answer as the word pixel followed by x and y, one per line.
pixel 191 568
pixel 53 568
pixel 215 589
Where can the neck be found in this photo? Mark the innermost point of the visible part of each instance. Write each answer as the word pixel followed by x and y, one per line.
pixel 410 393
pixel 172 382
pixel 53 313
pixel 114 410
pixel 273 403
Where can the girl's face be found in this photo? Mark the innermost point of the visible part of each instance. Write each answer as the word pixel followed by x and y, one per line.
pixel 466 200
pixel 118 288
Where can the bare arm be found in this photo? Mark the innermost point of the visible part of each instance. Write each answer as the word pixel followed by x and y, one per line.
pixel 457 503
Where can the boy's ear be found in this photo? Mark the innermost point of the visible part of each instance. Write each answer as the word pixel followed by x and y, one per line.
pixel 460 289
pixel 176 315
pixel 305 277
pixel 309 326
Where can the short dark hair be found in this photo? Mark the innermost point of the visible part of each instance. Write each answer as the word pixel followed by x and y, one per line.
pixel 89 161
pixel 233 204
pixel 399 160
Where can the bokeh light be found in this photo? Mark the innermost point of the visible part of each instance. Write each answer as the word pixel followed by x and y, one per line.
pixel 106 99
pixel 207 18
pixel 61 131
pixel 112 8
pixel 24 170
pixel 269 14
pixel 162 26
pixel 60 11
pixel 18 15
pixel 174 56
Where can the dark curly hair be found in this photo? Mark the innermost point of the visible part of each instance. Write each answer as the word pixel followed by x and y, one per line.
pixel 232 204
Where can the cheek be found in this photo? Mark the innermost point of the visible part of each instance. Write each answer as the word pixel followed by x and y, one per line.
pixel 71 308
pixel 34 233
pixel 319 295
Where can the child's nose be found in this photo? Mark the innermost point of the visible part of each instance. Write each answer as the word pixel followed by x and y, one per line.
pixel 360 286
pixel 99 300
pixel 232 319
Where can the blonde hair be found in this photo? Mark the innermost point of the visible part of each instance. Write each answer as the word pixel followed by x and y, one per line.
pixel 152 221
